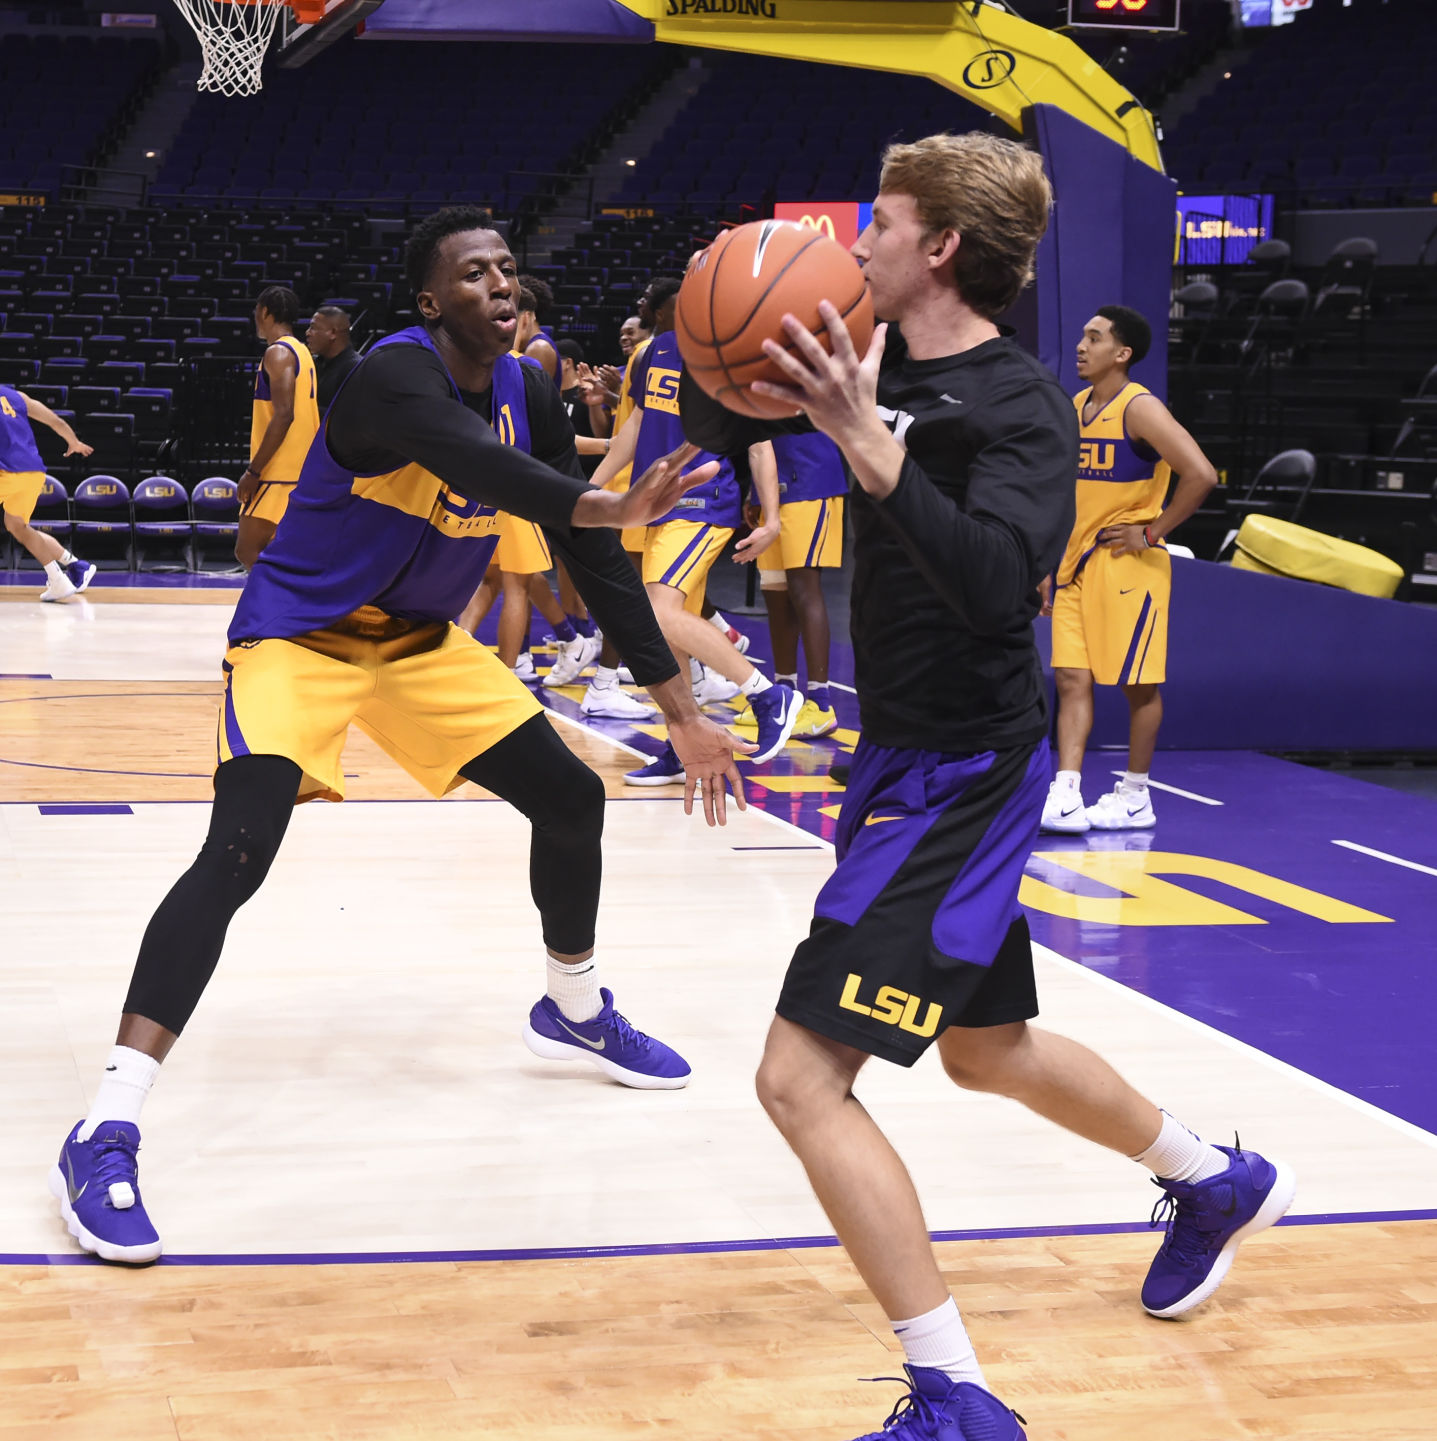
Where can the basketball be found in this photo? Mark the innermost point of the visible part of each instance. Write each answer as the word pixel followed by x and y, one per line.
pixel 736 294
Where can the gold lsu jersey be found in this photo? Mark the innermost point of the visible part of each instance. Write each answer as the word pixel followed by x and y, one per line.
pixel 288 460
pixel 1121 481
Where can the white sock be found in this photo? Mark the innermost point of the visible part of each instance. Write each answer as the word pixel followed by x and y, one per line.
pixel 791 681
pixel 756 684
pixel 938 1341
pixel 1134 780
pixel 575 989
pixel 1069 780
pixel 719 623
pixel 604 677
pixel 123 1087
pixel 1178 1155
pixel 52 569
pixel 696 671
pixel 67 558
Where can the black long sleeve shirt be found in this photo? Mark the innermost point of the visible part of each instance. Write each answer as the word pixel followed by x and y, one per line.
pixel 398 408
pixel 946 567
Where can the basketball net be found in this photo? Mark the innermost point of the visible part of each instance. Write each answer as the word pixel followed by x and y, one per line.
pixel 233 36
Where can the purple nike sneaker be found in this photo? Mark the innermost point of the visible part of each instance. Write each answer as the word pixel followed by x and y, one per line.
pixel 79 573
pixel 608 1042
pixel 938 1408
pixel 1207 1221
pixel 97 1183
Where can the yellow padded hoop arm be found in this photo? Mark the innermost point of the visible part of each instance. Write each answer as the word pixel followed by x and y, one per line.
pixel 991 57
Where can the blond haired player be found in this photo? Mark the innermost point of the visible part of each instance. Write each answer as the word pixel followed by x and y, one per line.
pixel 962 447
pixel 1110 609
pixel 284 423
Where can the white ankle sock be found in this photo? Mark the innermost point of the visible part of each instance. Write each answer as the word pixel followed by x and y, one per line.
pixel 604 677
pixel 1135 780
pixel 67 558
pixel 791 681
pixel 1178 1155
pixel 938 1341
pixel 756 684
pixel 52 569
pixel 123 1087
pixel 1073 780
pixel 575 989
pixel 719 623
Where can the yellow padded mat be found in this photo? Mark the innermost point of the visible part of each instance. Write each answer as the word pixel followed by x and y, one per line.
pixel 1277 547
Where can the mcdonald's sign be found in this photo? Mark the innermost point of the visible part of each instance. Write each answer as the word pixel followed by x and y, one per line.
pixel 840 220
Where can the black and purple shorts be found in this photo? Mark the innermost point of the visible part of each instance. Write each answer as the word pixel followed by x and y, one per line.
pixel 919 928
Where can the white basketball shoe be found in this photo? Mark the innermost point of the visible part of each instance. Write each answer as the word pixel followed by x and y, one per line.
pixel 1123 809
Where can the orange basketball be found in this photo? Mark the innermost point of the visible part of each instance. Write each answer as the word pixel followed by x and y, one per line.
pixel 736 295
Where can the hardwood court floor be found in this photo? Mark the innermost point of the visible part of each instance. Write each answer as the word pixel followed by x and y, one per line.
pixel 1321 1332
pixel 355 1084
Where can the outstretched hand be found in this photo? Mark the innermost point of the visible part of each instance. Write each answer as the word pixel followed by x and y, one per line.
pixel 655 493
pixel 78 447
pixel 709 754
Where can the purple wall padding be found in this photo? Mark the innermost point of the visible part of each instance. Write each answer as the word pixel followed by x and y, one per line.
pixel 1110 242
pixel 565 20
pixel 1256 662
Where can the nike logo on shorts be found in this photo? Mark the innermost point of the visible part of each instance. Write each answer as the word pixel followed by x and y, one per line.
pixel 1128 591
pixel 875 820
pixel 592 1045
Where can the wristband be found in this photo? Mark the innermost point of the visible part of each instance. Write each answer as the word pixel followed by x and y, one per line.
pixel 1148 536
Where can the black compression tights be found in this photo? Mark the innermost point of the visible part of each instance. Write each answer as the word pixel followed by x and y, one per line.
pixel 532 769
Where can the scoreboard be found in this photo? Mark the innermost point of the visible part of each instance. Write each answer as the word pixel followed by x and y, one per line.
pixel 1124 14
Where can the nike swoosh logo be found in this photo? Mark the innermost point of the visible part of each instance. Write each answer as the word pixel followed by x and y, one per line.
pixel 875 820
pixel 1136 812
pixel 592 1045
pixel 1072 811
pixel 70 1183
pixel 1128 591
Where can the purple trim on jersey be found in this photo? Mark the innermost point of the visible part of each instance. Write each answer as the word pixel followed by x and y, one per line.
pixel 982 902
pixel 261 375
pixel 1128 659
pixel 671 575
pixel 234 736
pixel 810 467
pixel 19 455
pixel 819 531
pixel 660 431
pixel 894 798
pixel 337 550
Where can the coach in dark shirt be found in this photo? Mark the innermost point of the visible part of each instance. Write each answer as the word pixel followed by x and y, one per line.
pixel 334 357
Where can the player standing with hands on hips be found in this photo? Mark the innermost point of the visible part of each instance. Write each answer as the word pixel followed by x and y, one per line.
pixel 963 448
pixel 1110 611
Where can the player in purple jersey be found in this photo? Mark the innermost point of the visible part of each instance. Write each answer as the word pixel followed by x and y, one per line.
pixel 22 482
pixel 346 619
pixel 963 448
pixel 681 547
pixel 811 486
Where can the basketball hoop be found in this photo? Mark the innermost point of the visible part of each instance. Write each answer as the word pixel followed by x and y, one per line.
pixel 234 35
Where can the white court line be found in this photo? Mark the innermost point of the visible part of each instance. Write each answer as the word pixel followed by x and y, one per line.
pixel 1383 856
pixel 1365 1108
pixel 1336 1093
pixel 1175 791
pixel 602 735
